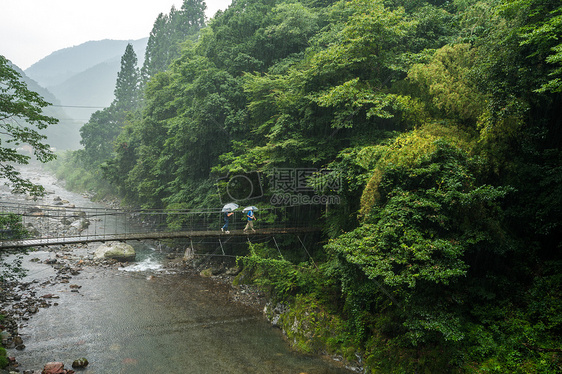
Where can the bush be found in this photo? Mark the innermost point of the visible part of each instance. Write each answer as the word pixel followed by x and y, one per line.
pixel 279 277
pixel 3 358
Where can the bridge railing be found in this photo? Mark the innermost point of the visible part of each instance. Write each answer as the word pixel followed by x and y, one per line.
pixel 48 221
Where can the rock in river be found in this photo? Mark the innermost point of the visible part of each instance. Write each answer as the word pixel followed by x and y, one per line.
pixel 80 363
pixel 55 368
pixel 115 250
pixel 81 224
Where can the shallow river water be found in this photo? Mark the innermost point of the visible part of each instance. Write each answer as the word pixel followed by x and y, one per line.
pixel 135 320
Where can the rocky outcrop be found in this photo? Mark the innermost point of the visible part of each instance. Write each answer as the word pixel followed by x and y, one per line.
pixel 121 252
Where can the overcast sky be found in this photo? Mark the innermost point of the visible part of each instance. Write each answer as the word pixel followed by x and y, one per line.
pixel 33 29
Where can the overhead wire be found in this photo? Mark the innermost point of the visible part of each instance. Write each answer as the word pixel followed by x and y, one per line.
pixel 78 106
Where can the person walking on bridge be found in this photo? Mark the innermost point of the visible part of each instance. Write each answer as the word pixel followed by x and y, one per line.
pixel 251 218
pixel 226 217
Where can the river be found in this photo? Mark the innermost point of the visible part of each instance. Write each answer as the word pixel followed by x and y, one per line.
pixel 145 318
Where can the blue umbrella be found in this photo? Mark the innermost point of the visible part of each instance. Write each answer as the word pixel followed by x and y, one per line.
pixel 230 207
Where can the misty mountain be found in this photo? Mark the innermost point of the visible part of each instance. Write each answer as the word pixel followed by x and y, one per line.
pixel 84 75
pixel 65 63
pixel 80 80
pixel 88 91
pixel 65 134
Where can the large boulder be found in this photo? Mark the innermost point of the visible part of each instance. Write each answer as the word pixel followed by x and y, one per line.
pixel 81 224
pixel 115 250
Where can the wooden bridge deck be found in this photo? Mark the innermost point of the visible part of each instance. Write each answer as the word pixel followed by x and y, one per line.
pixel 41 242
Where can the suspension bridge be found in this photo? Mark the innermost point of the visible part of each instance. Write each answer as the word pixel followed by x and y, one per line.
pixel 47 225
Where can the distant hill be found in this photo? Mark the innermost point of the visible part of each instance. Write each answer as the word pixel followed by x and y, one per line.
pixel 89 90
pixel 65 134
pixel 82 80
pixel 61 65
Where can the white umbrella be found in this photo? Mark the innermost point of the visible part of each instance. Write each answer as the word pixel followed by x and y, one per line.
pixel 230 207
pixel 253 208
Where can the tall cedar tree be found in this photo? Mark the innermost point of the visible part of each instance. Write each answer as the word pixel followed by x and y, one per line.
pixel 168 32
pixel 99 133
pixel 127 85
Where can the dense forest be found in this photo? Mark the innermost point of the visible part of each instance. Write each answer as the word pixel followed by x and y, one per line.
pixel 441 122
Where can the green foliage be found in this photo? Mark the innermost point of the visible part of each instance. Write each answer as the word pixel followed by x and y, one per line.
pixel 406 151
pixel 21 118
pixel 11 228
pixel 97 137
pixel 541 28
pixel 4 362
pixel 313 329
pixel 100 132
pixel 282 279
pixel 70 167
pixel 288 30
pixel 522 337
pixel 361 64
pixel 337 88
pixel 168 33
pixel 445 83
pixel 127 84
pixel 429 217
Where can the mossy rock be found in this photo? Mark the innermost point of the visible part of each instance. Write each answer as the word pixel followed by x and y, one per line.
pixel 80 363
pixel 206 273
